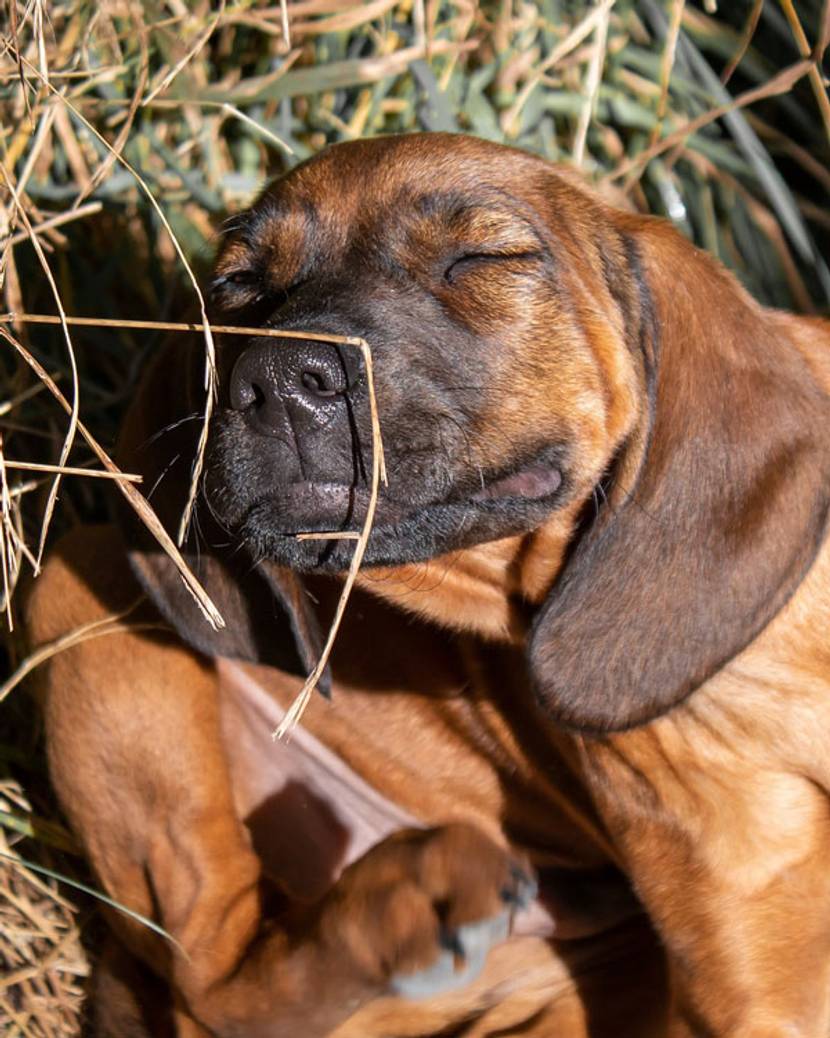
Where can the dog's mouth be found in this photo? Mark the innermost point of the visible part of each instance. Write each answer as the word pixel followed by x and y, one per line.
pixel 309 507
pixel 536 481
pixel 402 530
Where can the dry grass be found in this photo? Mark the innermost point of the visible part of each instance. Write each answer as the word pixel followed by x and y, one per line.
pixel 295 712
pixel 42 964
pixel 128 131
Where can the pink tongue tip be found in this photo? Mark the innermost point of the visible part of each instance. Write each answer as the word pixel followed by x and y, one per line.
pixel 534 482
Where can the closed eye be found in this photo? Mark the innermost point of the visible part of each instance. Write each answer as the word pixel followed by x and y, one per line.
pixel 236 288
pixel 240 288
pixel 236 277
pixel 471 260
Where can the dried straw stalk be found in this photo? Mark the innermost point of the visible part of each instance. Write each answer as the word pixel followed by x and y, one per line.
pixel 294 714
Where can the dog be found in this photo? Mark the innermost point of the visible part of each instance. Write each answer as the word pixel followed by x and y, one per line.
pixel 573 777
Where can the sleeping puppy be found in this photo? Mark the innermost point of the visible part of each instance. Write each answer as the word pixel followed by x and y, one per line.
pixel 588 642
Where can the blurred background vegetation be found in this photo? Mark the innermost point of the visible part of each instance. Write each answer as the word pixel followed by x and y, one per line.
pixel 713 113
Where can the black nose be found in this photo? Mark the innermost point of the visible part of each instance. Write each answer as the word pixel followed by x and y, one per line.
pixel 280 383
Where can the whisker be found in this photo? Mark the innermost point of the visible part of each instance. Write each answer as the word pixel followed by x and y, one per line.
pixel 164 472
pixel 168 428
pixel 205 500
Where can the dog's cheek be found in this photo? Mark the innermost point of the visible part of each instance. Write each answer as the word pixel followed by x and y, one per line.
pixel 564 377
pixel 494 301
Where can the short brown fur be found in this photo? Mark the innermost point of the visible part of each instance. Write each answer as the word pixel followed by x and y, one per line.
pixel 678 630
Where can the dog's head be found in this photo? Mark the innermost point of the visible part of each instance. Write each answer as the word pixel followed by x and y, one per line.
pixel 581 414
pixel 451 259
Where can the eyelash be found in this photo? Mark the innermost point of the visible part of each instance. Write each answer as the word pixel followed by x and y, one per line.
pixel 238 277
pixel 247 281
pixel 251 283
pixel 475 258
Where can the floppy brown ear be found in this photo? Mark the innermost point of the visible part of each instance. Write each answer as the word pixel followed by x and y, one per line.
pixel 267 613
pixel 721 516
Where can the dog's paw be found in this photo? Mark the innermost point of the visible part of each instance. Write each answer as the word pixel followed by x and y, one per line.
pixel 419 913
pixel 460 961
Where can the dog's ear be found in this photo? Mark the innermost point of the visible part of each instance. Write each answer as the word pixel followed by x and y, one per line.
pixel 267 611
pixel 705 538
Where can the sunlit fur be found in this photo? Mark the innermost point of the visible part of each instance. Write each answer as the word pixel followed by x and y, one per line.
pixel 670 608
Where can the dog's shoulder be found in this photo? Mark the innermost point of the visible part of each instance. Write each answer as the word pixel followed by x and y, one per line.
pixel 86 578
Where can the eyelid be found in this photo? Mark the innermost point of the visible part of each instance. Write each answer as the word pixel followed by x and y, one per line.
pixel 494 252
pixel 493 255
pixel 252 286
pixel 237 278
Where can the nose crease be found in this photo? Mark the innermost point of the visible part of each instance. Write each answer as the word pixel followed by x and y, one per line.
pixel 297 446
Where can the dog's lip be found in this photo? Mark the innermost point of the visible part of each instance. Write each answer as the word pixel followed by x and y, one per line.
pixel 531 483
pixel 316 506
pixel 312 507
pixel 301 493
pixel 302 488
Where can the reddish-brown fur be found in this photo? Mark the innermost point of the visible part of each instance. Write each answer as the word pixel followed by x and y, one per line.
pixel 696 607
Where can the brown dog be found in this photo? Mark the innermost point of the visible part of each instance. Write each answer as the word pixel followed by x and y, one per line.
pixel 609 474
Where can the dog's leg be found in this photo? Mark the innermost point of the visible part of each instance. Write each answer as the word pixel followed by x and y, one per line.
pixel 611 985
pixel 727 847
pixel 138 763
pixel 128 1000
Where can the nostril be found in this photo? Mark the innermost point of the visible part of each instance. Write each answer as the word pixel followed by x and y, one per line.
pixel 316 384
pixel 246 395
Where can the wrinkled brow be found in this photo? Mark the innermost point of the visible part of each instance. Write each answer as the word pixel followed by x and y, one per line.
pixel 489 215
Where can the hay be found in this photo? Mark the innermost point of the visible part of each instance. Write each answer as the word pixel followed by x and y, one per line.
pixel 128 131
pixel 42 964
pixel 295 711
